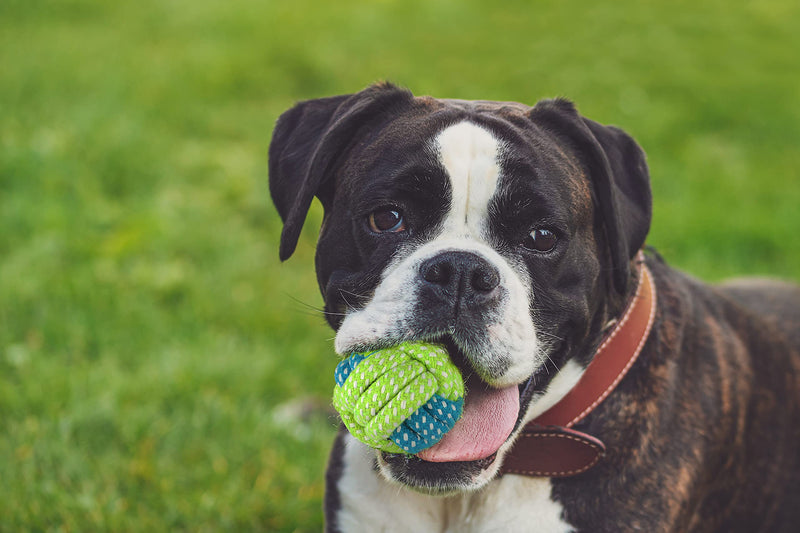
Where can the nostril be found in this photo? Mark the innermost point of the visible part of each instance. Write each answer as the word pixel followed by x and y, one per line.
pixel 460 271
pixel 438 272
pixel 484 280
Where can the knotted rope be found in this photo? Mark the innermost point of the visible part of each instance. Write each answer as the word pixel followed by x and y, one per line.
pixel 401 399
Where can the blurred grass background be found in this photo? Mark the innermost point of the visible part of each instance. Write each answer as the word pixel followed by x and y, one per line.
pixel 159 368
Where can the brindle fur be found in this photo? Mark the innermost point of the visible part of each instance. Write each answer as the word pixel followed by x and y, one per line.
pixel 703 435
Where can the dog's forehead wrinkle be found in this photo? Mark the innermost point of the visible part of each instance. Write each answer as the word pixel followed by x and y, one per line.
pixel 469 155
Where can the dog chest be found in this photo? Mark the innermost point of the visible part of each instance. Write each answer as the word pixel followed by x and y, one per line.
pixel 369 503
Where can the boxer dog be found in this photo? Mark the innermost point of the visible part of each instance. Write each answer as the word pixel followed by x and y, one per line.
pixel 512 236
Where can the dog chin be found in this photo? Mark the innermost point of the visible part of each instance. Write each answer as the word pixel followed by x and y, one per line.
pixel 437 479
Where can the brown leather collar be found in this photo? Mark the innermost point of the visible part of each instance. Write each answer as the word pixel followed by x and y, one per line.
pixel 547 446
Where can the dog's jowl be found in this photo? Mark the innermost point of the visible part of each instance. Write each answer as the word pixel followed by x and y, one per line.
pixel 605 391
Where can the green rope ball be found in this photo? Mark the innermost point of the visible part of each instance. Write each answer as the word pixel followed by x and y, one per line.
pixel 401 399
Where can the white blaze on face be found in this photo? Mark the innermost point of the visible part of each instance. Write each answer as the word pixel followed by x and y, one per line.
pixel 470 155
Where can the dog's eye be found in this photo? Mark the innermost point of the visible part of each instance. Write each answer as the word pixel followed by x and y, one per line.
pixel 386 220
pixel 540 240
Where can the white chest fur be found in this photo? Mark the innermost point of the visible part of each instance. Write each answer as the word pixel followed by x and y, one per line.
pixel 510 504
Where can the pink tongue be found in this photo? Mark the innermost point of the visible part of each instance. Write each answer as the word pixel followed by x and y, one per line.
pixel 487 421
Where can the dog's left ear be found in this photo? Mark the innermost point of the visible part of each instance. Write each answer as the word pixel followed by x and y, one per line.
pixel 307 145
pixel 619 175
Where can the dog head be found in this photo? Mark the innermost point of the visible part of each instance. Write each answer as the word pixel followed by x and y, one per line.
pixel 504 232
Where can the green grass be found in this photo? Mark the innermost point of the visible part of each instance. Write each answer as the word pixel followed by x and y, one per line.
pixel 159 368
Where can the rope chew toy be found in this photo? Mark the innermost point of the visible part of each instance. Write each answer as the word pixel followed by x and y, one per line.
pixel 401 399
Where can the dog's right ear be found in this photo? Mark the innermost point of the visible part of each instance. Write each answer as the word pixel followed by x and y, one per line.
pixel 307 146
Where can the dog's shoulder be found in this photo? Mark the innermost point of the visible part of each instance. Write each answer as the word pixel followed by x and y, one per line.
pixel 729 356
pixel 775 302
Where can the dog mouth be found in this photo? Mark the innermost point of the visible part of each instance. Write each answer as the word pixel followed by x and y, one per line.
pixel 490 417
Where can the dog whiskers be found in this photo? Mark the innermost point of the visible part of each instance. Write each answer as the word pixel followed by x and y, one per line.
pixel 315 311
pixel 550 335
pixel 348 304
pixel 554 364
pixel 362 296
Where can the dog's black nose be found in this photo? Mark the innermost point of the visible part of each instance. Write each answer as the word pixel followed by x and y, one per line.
pixel 460 274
